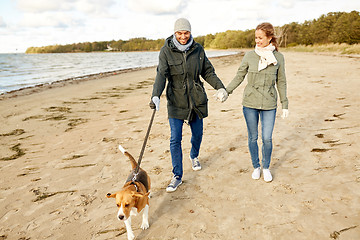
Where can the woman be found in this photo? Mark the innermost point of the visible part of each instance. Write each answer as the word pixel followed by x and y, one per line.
pixel 181 62
pixel 265 69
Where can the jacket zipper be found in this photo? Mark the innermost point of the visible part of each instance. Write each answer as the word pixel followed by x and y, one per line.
pixel 188 88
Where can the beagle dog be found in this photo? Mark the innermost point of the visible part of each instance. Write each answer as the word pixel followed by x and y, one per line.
pixel 133 198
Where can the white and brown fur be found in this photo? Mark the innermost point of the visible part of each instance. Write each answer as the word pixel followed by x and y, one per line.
pixel 133 198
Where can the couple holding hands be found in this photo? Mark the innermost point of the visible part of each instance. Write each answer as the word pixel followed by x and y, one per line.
pixel 182 61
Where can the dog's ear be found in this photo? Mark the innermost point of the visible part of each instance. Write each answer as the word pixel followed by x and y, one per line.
pixel 109 195
pixel 137 195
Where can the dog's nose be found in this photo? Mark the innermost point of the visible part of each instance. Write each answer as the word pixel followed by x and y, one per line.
pixel 121 217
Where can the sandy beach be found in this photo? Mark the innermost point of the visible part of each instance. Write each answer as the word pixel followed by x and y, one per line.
pixel 59 159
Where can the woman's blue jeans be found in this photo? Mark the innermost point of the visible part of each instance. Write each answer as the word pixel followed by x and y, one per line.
pixel 176 126
pixel 267 126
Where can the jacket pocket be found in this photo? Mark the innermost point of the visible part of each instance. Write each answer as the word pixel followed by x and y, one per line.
pixel 199 95
pixel 272 95
pixel 177 97
pixel 250 95
pixel 269 90
pixel 176 67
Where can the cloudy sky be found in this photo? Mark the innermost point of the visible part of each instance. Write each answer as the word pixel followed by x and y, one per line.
pixel 25 23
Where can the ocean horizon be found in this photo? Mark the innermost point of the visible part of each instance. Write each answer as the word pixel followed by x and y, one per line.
pixel 20 70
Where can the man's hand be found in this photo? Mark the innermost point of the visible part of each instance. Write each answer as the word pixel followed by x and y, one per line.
pixel 155 103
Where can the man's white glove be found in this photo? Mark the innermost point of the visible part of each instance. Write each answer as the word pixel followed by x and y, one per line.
pixel 156 101
pixel 285 113
pixel 221 95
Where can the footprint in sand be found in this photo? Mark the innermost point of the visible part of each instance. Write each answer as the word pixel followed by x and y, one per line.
pixel 320 135
pixel 18 153
pixel 320 149
pixel 157 170
pixel 15 148
pixel 334 117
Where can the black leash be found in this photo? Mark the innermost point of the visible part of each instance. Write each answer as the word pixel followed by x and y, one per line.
pixel 144 144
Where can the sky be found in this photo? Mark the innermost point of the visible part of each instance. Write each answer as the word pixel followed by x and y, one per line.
pixel 36 23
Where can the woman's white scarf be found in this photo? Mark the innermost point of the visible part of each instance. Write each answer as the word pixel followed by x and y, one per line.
pixel 266 56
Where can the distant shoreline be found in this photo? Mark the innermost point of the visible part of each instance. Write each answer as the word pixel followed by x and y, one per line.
pixel 43 86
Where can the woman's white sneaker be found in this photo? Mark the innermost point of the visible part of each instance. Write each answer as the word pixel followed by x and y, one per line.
pixel 267 175
pixel 256 173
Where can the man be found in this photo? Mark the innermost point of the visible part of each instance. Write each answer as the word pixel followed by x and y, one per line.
pixel 182 61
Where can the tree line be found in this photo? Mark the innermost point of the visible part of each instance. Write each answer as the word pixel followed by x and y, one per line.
pixel 334 27
pixel 135 44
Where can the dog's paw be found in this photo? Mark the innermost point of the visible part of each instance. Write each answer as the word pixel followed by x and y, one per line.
pixel 144 225
pixel 130 235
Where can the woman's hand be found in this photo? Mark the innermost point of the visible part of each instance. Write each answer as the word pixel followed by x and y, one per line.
pixel 285 113
pixel 221 95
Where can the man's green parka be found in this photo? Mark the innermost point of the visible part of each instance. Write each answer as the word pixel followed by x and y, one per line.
pixel 185 92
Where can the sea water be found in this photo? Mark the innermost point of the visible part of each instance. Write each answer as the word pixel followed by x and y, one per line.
pixel 20 70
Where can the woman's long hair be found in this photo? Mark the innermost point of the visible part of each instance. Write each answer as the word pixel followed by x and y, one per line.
pixel 269 32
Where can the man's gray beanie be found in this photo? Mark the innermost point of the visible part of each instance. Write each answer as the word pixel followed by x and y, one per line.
pixel 182 24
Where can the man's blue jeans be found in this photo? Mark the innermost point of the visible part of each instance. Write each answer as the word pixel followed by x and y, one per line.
pixel 267 126
pixel 176 126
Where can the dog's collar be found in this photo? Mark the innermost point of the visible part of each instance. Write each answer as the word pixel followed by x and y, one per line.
pixel 136 187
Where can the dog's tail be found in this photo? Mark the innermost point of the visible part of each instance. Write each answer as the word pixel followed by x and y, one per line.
pixel 132 160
